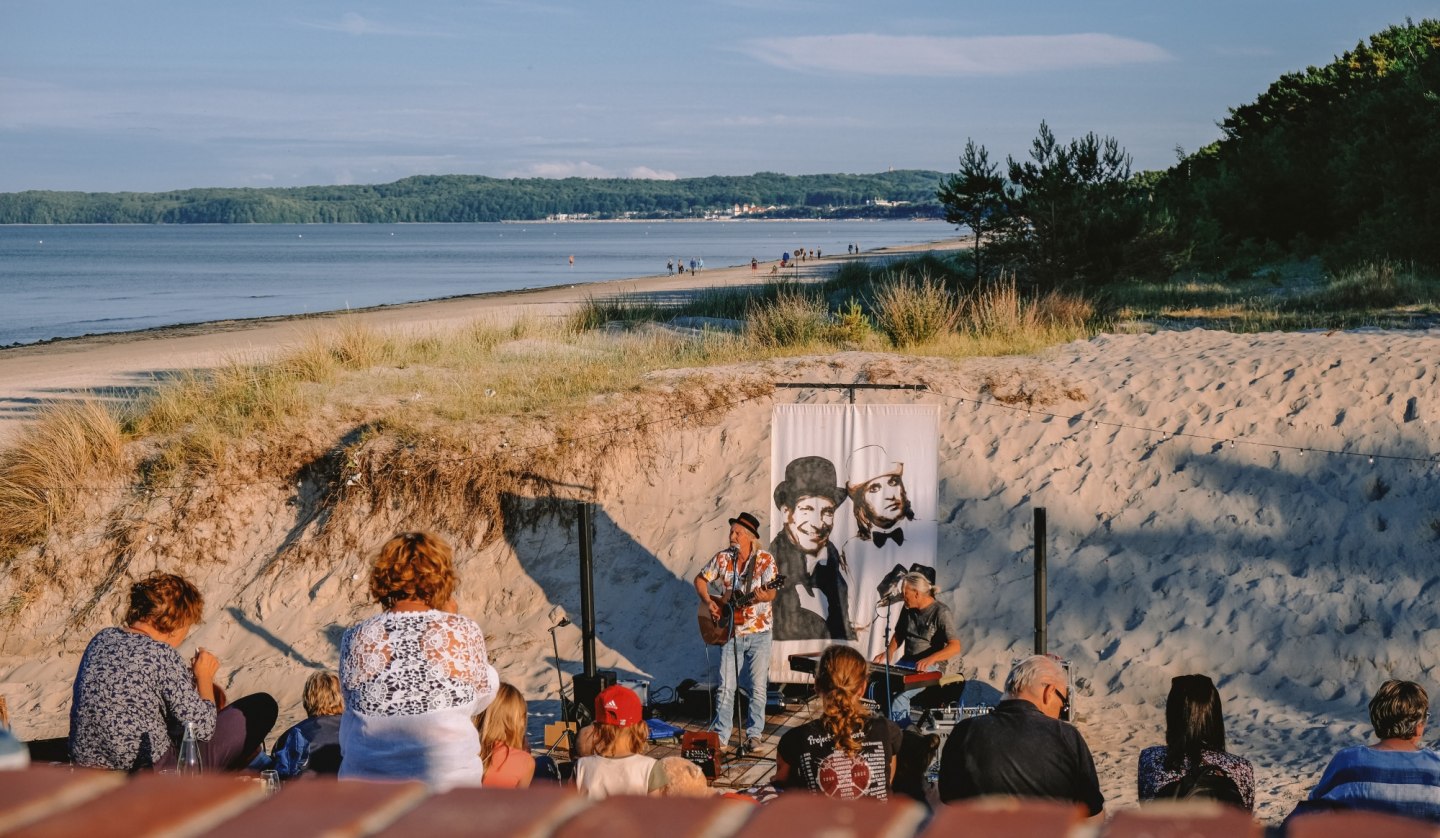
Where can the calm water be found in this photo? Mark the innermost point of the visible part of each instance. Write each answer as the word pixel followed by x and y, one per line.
pixel 64 281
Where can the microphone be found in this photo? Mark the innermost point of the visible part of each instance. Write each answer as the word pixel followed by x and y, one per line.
pixel 891 599
pixel 564 621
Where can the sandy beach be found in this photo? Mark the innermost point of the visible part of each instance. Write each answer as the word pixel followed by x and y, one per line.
pixel 1259 508
pixel 112 366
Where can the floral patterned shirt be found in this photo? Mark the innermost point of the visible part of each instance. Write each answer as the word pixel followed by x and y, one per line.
pixel 133 696
pixel 1153 775
pixel 754 618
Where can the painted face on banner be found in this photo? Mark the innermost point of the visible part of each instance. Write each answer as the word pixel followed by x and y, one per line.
pixel 809 523
pixel 884 500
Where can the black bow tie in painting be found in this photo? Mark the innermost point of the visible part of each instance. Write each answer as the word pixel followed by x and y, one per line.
pixel 896 535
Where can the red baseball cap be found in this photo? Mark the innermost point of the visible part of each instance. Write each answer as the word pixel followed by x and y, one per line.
pixel 618 706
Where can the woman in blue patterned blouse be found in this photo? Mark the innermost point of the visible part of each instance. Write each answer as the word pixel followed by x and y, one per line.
pixel 134 694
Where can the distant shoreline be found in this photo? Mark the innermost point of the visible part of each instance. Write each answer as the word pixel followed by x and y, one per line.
pixel 110 366
pixel 728 220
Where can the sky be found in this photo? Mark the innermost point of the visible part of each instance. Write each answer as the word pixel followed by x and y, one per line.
pixel 143 95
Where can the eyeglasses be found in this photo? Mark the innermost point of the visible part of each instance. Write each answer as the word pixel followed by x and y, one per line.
pixel 1064 702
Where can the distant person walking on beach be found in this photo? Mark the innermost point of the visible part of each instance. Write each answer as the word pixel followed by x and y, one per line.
pixel 692 267
pixel 669 267
pixel 701 263
pixel 754 264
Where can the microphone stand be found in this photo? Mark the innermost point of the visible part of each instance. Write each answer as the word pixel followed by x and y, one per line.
pixel 740 750
pixel 889 609
pixel 559 678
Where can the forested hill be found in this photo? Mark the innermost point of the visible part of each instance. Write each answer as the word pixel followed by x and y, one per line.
pixel 1342 159
pixel 460 198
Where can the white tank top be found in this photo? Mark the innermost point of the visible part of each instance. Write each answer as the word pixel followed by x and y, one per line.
pixel 600 777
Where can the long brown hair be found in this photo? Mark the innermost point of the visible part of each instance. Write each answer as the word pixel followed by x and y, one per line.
pixel 503 722
pixel 840 679
pixel 1193 722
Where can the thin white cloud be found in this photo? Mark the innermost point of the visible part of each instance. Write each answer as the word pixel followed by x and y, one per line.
pixel 647 173
pixel 351 23
pixel 564 169
pixel 582 168
pixel 918 55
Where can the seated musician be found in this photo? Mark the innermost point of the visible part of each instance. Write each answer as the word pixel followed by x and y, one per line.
pixel 926 629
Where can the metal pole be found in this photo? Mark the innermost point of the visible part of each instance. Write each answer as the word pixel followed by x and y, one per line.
pixel 587 590
pixel 1040 639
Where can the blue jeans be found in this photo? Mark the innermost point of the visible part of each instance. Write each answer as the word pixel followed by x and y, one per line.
pixel 900 706
pixel 754 654
pixel 899 701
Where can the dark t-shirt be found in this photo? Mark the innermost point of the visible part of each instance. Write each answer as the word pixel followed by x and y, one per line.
pixel 1017 750
pixel 925 631
pixel 816 764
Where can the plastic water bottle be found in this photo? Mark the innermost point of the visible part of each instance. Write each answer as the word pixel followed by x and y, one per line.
pixel 187 762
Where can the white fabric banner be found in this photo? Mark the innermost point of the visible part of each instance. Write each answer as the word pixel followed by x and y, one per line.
pixel 854 493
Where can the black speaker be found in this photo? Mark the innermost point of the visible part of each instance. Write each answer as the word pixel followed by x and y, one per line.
pixel 586 689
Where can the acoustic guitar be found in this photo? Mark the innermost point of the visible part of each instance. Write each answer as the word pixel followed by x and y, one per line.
pixel 718 632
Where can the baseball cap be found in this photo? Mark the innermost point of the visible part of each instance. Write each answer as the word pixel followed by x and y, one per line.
pixel 618 706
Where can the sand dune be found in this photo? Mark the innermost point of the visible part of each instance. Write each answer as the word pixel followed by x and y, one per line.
pixel 1300 579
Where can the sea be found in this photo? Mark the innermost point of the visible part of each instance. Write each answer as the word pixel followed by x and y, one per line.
pixel 70 280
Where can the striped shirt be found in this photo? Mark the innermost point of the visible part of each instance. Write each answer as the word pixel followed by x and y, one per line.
pixel 1403 782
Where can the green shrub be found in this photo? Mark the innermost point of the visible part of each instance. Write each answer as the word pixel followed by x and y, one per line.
pixel 794 318
pixel 910 310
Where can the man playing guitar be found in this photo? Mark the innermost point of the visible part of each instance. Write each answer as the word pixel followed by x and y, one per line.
pixel 741 571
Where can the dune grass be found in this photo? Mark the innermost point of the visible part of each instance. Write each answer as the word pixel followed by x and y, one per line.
pixel 44 476
pixel 1286 297
pixel 357 403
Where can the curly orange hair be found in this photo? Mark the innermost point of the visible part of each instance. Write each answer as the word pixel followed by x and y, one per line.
pixel 165 601
pixel 840 680
pixel 414 565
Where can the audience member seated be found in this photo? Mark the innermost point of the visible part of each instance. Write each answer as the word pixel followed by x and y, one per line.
pixel 618 765
pixel 912 764
pixel 415 675
pixel 1021 748
pixel 312 747
pixel 134 694
pixel 1393 775
pixel 1193 763
pixel 508 763
pixel 685 779
pixel 848 752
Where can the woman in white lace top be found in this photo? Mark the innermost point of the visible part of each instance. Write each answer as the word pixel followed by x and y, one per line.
pixel 415 675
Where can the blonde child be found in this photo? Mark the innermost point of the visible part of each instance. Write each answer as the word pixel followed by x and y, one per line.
pixel 508 763
pixel 313 746
pixel 618 765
